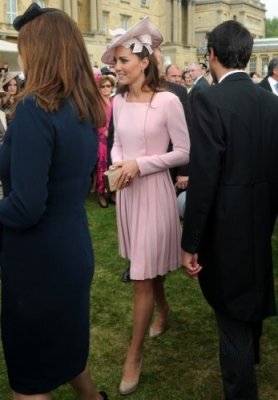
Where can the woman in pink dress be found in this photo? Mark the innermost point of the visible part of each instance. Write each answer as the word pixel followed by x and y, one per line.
pixel 146 118
pixel 106 86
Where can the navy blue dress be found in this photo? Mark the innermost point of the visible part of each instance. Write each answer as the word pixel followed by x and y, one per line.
pixel 46 253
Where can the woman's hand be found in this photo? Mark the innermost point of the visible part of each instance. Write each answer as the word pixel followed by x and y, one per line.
pixel 181 182
pixel 129 169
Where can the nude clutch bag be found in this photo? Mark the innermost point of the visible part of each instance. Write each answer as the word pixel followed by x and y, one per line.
pixel 110 177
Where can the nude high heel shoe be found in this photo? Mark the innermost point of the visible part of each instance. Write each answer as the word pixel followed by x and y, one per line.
pixel 128 387
pixel 156 332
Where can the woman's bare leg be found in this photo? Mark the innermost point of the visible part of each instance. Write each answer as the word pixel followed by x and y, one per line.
pixel 162 305
pixel 142 314
pixel 84 387
pixel 19 396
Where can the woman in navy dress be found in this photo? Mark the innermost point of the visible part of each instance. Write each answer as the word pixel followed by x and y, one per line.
pixel 46 161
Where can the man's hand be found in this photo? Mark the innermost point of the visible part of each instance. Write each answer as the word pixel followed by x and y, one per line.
pixel 190 264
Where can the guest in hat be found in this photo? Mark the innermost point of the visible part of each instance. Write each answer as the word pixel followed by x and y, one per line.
pixel 109 72
pixel 46 161
pixel 146 118
pixel 3 120
pixel 11 85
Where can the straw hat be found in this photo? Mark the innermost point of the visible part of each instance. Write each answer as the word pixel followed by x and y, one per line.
pixel 8 77
pixel 2 91
pixel 142 34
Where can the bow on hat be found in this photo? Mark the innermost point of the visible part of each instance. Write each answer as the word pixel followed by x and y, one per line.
pixel 143 34
pixel 139 42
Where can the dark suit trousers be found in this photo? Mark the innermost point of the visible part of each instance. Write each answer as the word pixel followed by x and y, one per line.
pixel 239 352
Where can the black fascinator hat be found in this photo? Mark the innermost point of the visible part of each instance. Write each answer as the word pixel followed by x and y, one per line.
pixel 33 11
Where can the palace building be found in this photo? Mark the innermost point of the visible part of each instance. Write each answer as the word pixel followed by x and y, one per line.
pixel 183 23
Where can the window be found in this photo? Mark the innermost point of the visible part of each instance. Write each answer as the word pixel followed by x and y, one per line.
pixel 265 61
pixel 253 64
pixel 11 10
pixel 105 22
pixel 144 2
pixel 125 22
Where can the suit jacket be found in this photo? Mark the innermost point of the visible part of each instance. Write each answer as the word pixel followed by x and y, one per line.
pixel 265 84
pixel 232 196
pixel 200 85
pixel 182 94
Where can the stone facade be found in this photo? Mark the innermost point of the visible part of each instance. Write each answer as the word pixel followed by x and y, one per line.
pixel 183 23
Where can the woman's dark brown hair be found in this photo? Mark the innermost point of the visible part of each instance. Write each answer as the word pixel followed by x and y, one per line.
pixel 16 79
pixel 57 66
pixel 152 79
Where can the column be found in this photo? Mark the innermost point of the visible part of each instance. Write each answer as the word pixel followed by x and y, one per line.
pixel 179 22
pixel 168 22
pixel 175 21
pixel 93 15
pixel 99 15
pixel 190 23
pixel 67 7
pixel 74 9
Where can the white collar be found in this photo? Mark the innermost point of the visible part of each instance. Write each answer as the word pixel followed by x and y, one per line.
pixel 273 84
pixel 234 71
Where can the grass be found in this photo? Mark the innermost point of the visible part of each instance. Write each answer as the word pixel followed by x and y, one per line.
pixel 183 363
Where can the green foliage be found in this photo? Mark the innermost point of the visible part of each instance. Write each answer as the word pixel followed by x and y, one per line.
pixel 271 28
pixel 181 364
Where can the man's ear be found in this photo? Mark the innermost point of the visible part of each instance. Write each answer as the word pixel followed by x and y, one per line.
pixel 212 54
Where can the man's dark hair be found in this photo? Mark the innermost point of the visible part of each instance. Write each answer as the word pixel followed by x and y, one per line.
pixel 232 44
pixel 272 65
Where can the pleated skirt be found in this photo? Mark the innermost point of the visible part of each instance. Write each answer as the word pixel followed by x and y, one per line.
pixel 149 228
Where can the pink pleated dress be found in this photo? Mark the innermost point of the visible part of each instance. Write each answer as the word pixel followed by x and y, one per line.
pixel 148 223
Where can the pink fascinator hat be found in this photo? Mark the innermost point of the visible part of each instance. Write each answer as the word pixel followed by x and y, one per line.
pixel 142 34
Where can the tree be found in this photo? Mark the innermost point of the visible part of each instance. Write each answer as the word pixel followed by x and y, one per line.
pixel 271 27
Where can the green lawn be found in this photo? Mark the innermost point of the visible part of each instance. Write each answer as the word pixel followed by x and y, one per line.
pixel 183 363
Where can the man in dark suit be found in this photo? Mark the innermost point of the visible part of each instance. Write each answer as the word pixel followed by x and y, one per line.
pixel 270 82
pixel 173 74
pixel 232 204
pixel 200 83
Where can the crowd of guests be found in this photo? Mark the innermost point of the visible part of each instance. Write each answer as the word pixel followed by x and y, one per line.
pixel 145 123
pixel 193 79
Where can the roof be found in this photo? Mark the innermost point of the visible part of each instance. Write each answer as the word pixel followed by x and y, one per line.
pixel 265 45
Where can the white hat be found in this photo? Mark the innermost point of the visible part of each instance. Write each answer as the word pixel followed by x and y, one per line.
pixel 8 77
pixel 142 34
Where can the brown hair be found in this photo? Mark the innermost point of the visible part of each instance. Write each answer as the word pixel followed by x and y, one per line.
pixel 57 66
pixel 104 79
pixel 6 86
pixel 152 79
